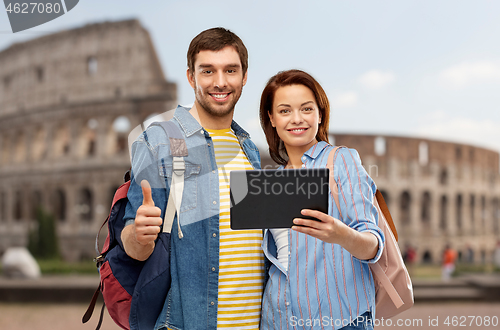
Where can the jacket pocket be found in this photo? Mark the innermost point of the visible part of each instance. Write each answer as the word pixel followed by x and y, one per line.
pixel 191 176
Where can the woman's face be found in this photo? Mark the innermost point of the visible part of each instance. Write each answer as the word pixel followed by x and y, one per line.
pixel 295 115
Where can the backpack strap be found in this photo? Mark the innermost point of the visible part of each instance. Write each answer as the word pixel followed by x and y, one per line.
pixel 178 150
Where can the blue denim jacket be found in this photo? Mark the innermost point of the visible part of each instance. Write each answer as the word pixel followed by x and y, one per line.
pixel 192 300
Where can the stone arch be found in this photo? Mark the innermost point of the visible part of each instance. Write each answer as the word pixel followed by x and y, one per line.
pixel 495 208
pixel 443 212
pixel 405 207
pixel 88 138
pixel 39 147
pixel 20 151
pixel 36 203
pixel 86 204
pixel 59 205
pixel 61 141
pixel 459 211
pixel 18 205
pixel 483 213
pixel 426 207
pixel 472 208
pixel 118 134
pixel 3 206
pixel 443 176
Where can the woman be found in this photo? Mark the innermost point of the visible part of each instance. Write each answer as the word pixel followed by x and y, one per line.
pixel 319 277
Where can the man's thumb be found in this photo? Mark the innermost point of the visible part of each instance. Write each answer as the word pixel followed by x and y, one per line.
pixel 146 193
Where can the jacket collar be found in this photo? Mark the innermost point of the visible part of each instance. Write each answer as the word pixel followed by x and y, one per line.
pixel 190 125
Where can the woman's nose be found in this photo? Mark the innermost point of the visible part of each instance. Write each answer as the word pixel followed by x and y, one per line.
pixel 296 117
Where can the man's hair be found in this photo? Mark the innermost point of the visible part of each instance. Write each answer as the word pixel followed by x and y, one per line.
pixel 215 39
pixel 277 149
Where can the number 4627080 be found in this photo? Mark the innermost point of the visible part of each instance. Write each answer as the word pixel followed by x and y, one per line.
pixel 33 7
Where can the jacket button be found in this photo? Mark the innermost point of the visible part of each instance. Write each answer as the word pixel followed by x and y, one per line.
pixel 213 269
pixel 214 202
pixel 214 235
pixel 212 303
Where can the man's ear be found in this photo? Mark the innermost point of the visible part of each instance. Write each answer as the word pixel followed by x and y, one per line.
pixel 190 78
pixel 245 78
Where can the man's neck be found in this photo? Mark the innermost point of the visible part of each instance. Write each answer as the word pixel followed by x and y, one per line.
pixel 210 122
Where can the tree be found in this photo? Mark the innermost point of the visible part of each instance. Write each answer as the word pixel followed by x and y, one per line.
pixel 43 242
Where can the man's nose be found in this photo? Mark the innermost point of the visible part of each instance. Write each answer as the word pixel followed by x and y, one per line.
pixel 220 80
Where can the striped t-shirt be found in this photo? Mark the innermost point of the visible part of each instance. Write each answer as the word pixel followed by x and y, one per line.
pixel 241 260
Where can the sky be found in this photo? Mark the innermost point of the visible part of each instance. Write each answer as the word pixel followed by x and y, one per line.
pixel 408 68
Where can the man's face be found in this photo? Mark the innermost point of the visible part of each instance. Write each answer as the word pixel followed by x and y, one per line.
pixel 217 81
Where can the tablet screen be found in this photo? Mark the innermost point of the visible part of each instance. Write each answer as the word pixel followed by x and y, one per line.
pixel 273 198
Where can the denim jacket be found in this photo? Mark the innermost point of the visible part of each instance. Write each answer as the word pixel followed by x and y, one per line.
pixel 192 300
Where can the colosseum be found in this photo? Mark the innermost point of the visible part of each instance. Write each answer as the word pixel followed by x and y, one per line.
pixel 439 193
pixel 67 104
pixel 69 100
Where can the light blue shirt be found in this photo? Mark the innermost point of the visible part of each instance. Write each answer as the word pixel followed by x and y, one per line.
pixel 325 287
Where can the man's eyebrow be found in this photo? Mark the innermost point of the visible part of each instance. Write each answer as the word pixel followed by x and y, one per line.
pixel 206 65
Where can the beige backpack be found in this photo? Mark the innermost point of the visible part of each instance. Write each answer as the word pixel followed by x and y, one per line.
pixel 393 288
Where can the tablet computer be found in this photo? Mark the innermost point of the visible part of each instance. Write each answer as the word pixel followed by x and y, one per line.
pixel 273 198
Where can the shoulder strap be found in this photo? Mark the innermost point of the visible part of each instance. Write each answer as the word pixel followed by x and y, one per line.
pixel 333 185
pixel 378 195
pixel 178 150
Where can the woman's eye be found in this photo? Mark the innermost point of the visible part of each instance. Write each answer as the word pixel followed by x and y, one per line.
pixel 308 109
pixel 284 111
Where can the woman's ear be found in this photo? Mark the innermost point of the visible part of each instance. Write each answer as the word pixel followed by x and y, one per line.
pixel 271 119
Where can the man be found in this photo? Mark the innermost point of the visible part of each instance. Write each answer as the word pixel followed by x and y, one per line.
pixel 217 274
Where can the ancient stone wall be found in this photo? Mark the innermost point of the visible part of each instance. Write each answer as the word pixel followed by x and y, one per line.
pixel 67 103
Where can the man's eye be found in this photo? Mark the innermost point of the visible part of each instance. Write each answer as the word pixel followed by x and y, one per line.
pixel 207 71
pixel 231 71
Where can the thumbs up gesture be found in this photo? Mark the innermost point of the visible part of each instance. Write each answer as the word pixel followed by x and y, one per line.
pixel 148 217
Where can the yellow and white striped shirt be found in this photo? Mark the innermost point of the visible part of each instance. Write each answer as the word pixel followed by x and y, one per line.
pixel 241 261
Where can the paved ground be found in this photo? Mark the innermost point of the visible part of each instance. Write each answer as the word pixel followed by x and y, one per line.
pixel 68 317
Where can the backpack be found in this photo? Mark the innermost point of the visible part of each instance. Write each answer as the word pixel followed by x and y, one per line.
pixel 134 292
pixel 393 287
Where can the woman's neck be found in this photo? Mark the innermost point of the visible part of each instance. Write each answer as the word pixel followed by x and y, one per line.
pixel 295 155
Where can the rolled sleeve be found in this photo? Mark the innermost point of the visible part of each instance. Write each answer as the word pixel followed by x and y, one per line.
pixel 356 196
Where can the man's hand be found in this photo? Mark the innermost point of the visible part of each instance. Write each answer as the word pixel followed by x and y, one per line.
pixel 148 217
pixel 139 238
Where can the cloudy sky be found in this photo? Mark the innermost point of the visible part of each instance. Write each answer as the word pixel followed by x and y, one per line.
pixel 411 68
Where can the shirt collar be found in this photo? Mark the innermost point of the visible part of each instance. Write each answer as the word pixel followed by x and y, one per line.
pixel 190 125
pixel 316 149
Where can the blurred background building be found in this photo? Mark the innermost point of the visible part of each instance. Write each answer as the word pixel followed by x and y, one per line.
pixel 69 100
pixel 67 104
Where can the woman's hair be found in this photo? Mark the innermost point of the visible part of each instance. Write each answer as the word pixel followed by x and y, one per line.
pixel 286 78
